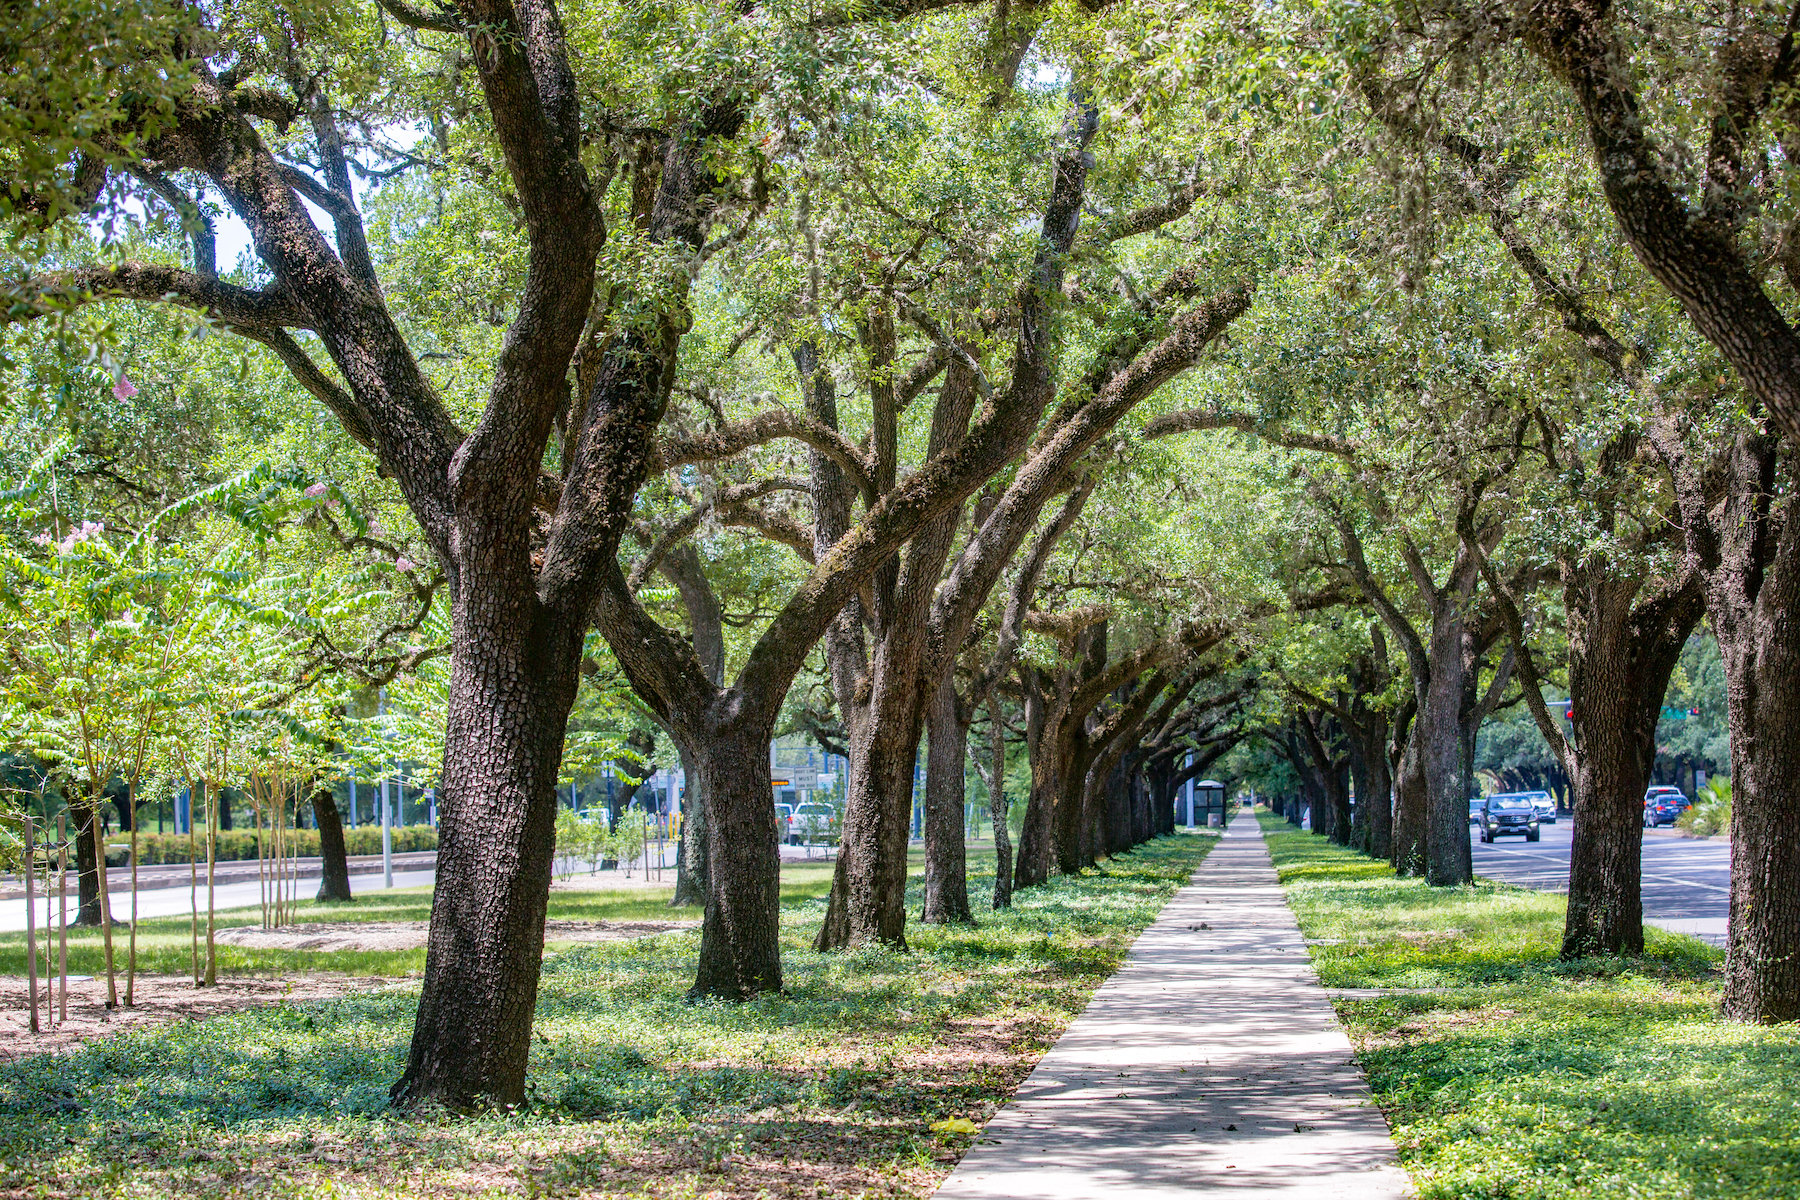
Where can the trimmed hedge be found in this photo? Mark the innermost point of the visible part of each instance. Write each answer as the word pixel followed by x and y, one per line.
pixel 237 845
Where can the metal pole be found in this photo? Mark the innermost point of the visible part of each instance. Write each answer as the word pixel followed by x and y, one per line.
pixel 353 799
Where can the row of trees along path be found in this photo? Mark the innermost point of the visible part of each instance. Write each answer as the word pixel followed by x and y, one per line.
pixel 527 506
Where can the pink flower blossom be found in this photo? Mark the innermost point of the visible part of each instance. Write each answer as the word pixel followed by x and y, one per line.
pixel 42 539
pixel 316 490
pixel 79 534
pixel 404 564
pixel 124 389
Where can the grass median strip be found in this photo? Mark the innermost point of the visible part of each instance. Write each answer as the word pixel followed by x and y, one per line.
pixel 1529 1077
pixel 831 1088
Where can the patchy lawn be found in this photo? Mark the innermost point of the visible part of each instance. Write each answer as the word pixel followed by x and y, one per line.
pixel 1534 1079
pixel 828 1089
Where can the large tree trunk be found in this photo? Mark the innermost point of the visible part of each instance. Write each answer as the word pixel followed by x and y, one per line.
pixel 514 671
pixel 1762 671
pixel 1036 848
pixel 1337 792
pixel 334 863
pixel 1154 796
pixel 868 887
pixel 1440 755
pixel 740 946
pixel 1606 909
pixel 1752 573
pixel 1621 655
pixel 946 856
pixel 1378 806
pixel 1067 807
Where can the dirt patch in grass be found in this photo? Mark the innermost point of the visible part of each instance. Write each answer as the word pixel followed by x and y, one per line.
pixel 326 936
pixel 156 1000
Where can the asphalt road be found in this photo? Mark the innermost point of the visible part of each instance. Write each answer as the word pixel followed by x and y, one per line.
pixel 1687 883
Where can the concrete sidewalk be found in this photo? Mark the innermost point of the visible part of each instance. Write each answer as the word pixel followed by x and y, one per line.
pixel 1211 1064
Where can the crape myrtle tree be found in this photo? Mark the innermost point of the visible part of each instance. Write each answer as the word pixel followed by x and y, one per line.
pixel 524 526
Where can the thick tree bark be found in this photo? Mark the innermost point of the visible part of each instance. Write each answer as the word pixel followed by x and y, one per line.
pixel 514 671
pixel 946 855
pixel 1747 550
pixel 334 863
pixel 1762 670
pixel 1037 853
pixel 1620 661
pixel 868 886
pixel 1447 861
pixel 740 949
pixel 1157 795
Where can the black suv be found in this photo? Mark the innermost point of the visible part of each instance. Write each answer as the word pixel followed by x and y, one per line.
pixel 1507 816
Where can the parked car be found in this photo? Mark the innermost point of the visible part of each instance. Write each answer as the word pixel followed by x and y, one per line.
pixel 1662 805
pixel 1509 816
pixel 1475 810
pixel 784 821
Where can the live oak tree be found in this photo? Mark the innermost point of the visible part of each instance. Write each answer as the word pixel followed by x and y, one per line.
pixel 255 112
pixel 1702 222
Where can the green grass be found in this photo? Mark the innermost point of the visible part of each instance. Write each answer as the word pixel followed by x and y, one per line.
pixel 826 1089
pixel 1534 1078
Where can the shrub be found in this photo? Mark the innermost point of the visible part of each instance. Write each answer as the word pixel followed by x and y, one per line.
pixel 1711 811
pixel 239 845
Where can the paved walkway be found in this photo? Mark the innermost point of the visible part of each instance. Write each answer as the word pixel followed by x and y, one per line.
pixel 1210 1065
